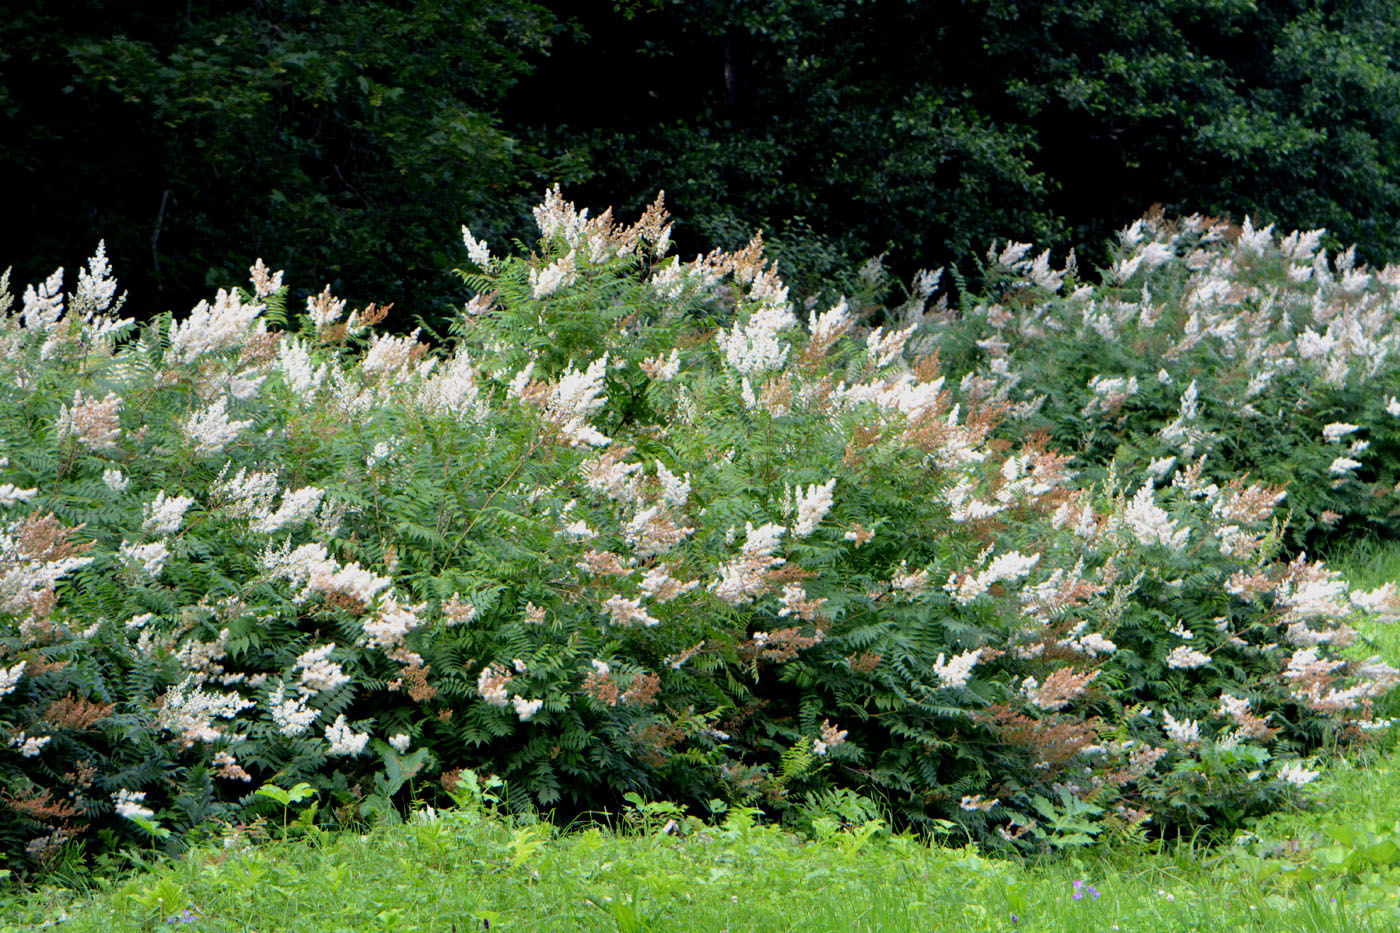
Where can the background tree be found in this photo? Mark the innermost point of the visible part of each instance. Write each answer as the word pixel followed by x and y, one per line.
pixel 343 141
pixel 347 141
pixel 927 128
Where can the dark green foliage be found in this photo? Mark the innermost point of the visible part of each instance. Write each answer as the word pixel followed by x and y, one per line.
pixel 848 128
pixel 351 139
pixel 348 139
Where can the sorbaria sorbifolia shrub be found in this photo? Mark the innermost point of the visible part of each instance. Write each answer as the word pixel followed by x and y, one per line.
pixel 636 528
pixel 1203 343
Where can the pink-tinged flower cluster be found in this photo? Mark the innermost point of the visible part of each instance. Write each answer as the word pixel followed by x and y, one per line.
pixel 93 423
pixel 744 578
pixel 831 737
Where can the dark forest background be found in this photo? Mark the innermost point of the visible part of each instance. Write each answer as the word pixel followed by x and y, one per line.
pixel 347 142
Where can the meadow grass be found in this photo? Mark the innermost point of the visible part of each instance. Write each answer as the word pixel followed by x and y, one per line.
pixel 1334 865
pixel 468 872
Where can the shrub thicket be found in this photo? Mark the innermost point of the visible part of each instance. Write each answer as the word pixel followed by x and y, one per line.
pixel 633 529
pixel 1204 343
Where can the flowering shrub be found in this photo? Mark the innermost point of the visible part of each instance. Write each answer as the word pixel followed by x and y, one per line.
pixel 635 529
pixel 1205 342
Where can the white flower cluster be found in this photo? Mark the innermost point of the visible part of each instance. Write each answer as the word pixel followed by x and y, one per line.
pixel 1184 432
pixel 115 480
pixel 389 628
pixel 93 423
pixel 344 740
pixel 1150 524
pixel 131 804
pixel 244 494
pixel 558 274
pixel 1093 644
pixel 558 218
pixel 1383 601
pixel 210 329
pixel 201 658
pixel 311 568
pixel 164 514
pixel 26 583
pixel 1008 567
pixel 29 746
pixel 624 613
pixel 964 506
pixel 812 506
pixel 1320 594
pixel 658 584
pixel 389 354
pixel 913 584
pixel 9 677
pixel 292 716
pixel 883 349
pixel 1294 773
pixel 675 490
pixel 828 327
pixel 297 506
pixel 318 672
pixel 1334 432
pixel 301 374
pixel 453 390
pixel 663 368
pixel 150 557
pixel 1109 393
pixel 1183 657
pixel 43 306
pixel 476 249
pixel 1144 256
pixel 1185 731
pixel 264 282
pixel 743 578
pixel 525 709
pixel 752 347
pixel 956 672
pixel 11 494
pixel 211 430
pixel 1233 706
pixel 324 309
pixel 1344 466
pixel 190 711
pixel 576 397
pixel 493 685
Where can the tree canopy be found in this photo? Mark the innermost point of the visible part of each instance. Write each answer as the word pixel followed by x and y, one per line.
pixel 348 141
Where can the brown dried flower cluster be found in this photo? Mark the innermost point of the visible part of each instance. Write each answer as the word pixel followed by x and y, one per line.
pixel 73 713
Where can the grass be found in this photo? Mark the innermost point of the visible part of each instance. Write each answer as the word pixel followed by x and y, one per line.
pixel 1334 866
pixel 467 869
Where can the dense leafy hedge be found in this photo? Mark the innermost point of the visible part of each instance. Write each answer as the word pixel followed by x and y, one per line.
pixel 636 529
